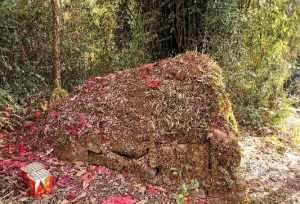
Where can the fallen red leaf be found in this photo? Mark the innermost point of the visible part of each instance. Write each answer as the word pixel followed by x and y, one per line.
pixel 71 195
pixel 152 191
pixel 119 200
pixel 33 130
pixel 102 170
pixel 90 85
pixel 33 157
pixel 37 115
pixel 82 122
pixel 153 84
pixel 73 129
pixel 30 127
pixel 63 181
pixel 52 115
pixel 8 149
pixel 11 164
pixel 22 150
pixel 103 139
pixel 187 200
pixel 146 71
pixel 3 135
pixel 201 201
pixel 148 66
pixel 86 179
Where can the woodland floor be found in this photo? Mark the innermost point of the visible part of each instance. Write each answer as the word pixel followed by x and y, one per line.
pixel 270 166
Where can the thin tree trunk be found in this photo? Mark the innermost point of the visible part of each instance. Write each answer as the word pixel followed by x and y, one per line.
pixel 56 72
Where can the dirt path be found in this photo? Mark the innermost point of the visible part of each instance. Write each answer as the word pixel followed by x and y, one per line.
pixel 271 165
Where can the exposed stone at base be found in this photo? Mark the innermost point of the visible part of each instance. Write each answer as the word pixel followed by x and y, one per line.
pixel 168 122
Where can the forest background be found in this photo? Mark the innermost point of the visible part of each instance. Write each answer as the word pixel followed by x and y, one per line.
pixel 256 42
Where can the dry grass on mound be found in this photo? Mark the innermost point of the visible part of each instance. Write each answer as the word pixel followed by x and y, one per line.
pixel 178 96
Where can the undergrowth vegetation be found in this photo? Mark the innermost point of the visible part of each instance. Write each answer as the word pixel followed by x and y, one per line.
pixel 88 47
pixel 252 44
pixel 8 108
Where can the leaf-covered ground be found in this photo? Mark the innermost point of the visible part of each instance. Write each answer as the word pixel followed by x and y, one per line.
pixel 271 167
pixel 75 182
pixel 271 164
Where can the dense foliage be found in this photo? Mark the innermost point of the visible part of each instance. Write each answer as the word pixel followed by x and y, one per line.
pixel 255 41
pixel 23 52
pixel 88 47
pixel 252 42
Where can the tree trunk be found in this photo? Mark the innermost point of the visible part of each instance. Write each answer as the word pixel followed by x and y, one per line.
pixel 56 72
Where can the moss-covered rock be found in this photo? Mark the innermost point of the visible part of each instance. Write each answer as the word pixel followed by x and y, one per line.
pixel 168 122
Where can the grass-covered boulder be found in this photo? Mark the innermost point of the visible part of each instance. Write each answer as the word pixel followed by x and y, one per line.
pixel 168 122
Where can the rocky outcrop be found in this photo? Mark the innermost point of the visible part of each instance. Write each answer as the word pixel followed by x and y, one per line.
pixel 168 122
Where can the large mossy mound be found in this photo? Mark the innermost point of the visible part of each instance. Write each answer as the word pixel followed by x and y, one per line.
pixel 168 122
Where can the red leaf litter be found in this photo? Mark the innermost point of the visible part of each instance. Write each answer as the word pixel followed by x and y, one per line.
pixel 72 195
pixel 103 139
pixel 152 191
pixel 187 200
pixel 63 181
pixel 11 164
pixel 201 201
pixel 37 115
pixel 145 72
pixel 52 115
pixel 119 200
pixel 101 170
pixel 89 86
pixel 153 84
pixel 89 176
pixel 86 179
pixel 148 66
pixel 3 135
pixel 8 149
pixel 30 128
pixel 74 128
pixel 22 150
